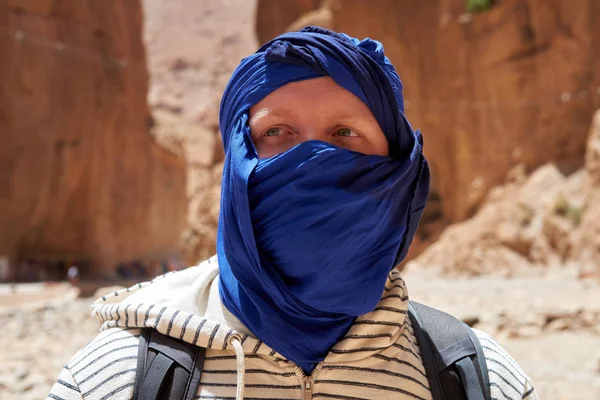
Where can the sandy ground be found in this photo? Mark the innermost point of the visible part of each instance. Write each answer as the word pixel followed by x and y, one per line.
pixel 550 324
pixel 39 336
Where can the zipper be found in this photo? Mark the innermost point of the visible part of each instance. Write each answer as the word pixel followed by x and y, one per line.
pixel 307 385
pixel 307 382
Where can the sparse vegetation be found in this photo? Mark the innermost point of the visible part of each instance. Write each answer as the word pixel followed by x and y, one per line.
pixel 526 214
pixel 565 209
pixel 474 6
pixel 561 205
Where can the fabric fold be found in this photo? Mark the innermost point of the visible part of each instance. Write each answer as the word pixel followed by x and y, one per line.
pixel 307 238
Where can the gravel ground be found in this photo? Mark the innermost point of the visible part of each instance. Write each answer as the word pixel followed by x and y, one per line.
pixel 37 340
pixel 549 324
pixel 548 321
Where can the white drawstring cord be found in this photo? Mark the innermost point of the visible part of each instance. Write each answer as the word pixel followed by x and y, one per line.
pixel 235 342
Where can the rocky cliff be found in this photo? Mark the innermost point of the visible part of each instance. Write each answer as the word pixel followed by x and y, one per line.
pixel 80 176
pixel 529 225
pixel 193 47
pixel 516 84
pixel 586 241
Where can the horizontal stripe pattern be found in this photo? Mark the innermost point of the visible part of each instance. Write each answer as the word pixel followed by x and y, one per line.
pixel 264 378
pixel 378 358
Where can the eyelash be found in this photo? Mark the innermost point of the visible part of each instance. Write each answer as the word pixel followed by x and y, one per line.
pixel 291 130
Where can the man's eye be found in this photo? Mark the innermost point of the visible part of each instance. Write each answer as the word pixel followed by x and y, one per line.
pixel 346 132
pixel 273 132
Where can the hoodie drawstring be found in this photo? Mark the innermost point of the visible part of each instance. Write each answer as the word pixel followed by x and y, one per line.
pixel 235 342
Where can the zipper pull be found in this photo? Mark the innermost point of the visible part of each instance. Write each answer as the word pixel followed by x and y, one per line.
pixel 307 384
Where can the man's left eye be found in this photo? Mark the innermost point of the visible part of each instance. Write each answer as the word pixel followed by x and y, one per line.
pixel 273 132
pixel 346 132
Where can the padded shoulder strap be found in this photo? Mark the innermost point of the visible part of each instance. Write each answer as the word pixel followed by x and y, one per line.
pixel 167 368
pixel 451 354
pixel 481 364
pixel 141 361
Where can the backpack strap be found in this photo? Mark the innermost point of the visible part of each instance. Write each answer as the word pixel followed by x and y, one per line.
pixel 167 368
pixel 452 355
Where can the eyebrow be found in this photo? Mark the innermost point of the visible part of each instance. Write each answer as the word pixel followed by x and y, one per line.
pixel 271 112
pixel 345 115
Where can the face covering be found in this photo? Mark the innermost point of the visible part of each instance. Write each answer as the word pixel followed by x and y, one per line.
pixel 307 238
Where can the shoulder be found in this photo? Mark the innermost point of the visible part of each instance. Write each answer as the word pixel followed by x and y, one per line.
pixel 104 367
pixel 171 287
pixel 507 379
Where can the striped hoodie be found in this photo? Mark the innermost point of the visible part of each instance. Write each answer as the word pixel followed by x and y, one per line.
pixel 378 358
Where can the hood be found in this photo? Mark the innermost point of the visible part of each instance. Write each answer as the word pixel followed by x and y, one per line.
pixel 186 305
pixel 181 304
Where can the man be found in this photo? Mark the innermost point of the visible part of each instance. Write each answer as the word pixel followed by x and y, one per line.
pixel 323 186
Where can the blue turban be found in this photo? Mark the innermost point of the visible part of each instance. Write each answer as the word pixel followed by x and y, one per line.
pixel 307 238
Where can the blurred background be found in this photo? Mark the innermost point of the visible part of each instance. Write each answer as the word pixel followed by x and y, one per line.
pixel 110 162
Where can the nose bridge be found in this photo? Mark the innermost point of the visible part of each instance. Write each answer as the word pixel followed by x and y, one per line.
pixel 314 134
pixel 313 129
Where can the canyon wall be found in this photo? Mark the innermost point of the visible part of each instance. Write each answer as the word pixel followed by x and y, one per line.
pixel 81 179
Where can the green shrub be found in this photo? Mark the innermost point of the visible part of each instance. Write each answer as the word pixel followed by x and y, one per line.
pixel 565 209
pixel 478 5
pixel 561 205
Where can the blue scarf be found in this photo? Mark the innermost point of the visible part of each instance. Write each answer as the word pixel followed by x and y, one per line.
pixel 307 238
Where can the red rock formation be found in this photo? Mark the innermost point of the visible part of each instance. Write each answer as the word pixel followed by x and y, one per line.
pixel 546 219
pixel 273 17
pixel 515 84
pixel 587 239
pixel 80 176
pixel 187 81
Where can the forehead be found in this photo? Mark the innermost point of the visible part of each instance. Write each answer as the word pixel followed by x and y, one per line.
pixel 311 95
